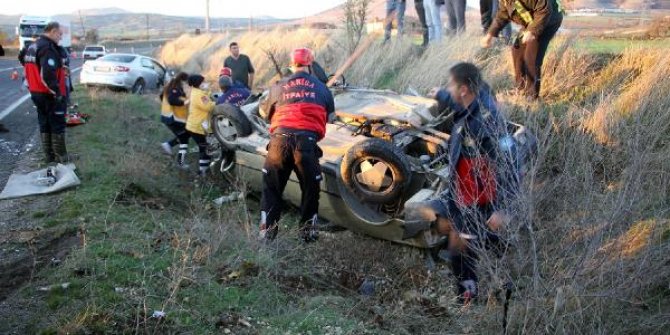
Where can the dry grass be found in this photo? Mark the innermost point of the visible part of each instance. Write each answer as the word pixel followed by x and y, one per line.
pixel 592 238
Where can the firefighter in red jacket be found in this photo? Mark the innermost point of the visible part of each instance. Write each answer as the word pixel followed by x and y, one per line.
pixel 46 78
pixel 298 108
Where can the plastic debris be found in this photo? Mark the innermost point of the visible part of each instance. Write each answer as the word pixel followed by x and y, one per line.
pixel 367 288
pixel 158 315
pixel 54 286
pixel 233 196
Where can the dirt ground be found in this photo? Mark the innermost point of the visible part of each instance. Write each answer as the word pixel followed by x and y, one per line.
pixel 26 244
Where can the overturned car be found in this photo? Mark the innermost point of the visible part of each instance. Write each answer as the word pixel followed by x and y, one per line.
pixel 383 151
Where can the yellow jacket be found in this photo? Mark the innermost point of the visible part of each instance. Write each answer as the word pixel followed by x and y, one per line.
pixel 199 111
pixel 180 113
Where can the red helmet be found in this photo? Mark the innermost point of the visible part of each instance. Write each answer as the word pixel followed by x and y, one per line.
pixel 226 71
pixel 302 57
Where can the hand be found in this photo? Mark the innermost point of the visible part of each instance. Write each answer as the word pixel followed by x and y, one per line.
pixel 527 37
pixel 487 41
pixel 498 220
pixel 433 92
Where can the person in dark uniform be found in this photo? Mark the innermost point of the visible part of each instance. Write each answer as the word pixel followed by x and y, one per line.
pixel 231 94
pixel 470 210
pixel 46 77
pixel 540 20
pixel 298 107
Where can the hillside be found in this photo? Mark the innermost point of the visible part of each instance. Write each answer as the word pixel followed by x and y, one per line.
pixel 114 22
pixel 620 4
pixel 378 8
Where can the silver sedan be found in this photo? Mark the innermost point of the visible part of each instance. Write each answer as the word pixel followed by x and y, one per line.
pixel 135 73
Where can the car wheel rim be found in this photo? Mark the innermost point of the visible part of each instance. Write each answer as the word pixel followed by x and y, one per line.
pixel 373 175
pixel 226 129
pixel 227 163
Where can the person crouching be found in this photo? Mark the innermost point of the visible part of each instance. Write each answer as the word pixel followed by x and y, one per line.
pixel 200 108
pixel 174 112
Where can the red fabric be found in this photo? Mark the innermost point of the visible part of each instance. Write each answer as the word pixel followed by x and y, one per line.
pixel 35 82
pixel 226 71
pixel 475 181
pixel 300 116
pixel 302 56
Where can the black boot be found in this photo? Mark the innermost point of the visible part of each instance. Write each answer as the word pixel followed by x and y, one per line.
pixel 47 147
pixel 58 141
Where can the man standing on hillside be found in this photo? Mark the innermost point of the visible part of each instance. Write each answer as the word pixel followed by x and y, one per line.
pixel 394 8
pixel 540 20
pixel 45 73
pixel 298 108
pixel 421 12
pixel 240 64
pixel 455 16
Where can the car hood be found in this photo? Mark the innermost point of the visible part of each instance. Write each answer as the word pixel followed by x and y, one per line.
pixel 368 104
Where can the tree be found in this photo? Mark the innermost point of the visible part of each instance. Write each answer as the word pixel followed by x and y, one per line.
pixel 92 36
pixel 355 15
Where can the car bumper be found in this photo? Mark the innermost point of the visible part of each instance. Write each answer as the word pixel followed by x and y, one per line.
pixel 113 80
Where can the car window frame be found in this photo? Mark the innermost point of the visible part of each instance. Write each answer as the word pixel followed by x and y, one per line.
pixel 143 59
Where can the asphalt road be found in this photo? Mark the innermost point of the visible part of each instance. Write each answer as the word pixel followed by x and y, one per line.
pixel 18 114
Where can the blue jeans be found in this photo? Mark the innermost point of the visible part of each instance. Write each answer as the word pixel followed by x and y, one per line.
pixel 396 7
pixel 455 16
pixel 433 20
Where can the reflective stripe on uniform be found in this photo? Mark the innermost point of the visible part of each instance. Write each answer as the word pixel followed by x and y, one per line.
pixel 523 12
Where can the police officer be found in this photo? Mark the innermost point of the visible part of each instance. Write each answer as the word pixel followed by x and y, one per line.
pixel 46 78
pixel 298 107
pixel 540 20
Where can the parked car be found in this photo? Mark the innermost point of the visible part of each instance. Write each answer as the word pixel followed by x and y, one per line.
pixel 93 51
pixel 131 72
pixel 383 151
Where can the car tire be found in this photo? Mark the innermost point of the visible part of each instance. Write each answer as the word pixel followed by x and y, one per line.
pixel 138 87
pixel 382 156
pixel 228 123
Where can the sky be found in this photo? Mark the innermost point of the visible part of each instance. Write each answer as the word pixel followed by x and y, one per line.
pixel 283 9
pixel 218 8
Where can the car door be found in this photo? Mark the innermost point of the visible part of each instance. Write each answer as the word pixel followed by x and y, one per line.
pixel 160 72
pixel 150 76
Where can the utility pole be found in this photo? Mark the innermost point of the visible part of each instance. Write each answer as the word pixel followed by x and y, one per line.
pixel 81 21
pixel 147 16
pixel 207 16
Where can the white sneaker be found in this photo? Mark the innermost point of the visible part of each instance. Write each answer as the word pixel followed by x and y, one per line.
pixel 167 149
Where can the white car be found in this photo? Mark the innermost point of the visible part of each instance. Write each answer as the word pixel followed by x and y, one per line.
pixel 131 72
pixel 93 51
